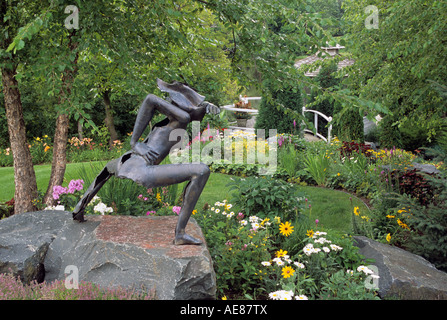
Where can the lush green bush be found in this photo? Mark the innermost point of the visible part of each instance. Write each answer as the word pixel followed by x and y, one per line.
pixel 350 125
pixel 271 258
pixel 273 117
pixel 426 224
pixel 389 134
pixel 326 79
pixel 237 248
pixel 267 197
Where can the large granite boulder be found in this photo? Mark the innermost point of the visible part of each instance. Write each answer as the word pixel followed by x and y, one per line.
pixel 111 251
pixel 402 274
pixel 24 241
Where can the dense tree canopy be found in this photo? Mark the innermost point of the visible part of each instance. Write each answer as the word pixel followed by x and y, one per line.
pixel 398 62
pixel 70 66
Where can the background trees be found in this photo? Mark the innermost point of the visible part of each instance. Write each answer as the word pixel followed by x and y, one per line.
pixel 396 63
pixel 63 80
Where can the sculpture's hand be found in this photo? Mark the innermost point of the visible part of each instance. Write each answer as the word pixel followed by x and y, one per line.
pixel 212 109
pixel 143 150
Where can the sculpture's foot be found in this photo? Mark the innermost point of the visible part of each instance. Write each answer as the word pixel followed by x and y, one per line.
pixel 186 239
pixel 79 216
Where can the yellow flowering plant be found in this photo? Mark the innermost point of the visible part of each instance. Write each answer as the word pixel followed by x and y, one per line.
pixel 41 150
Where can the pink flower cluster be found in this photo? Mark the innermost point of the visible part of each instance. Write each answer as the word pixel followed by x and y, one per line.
pixel 176 209
pixel 73 186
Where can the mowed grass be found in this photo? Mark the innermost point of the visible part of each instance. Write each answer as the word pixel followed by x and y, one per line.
pixel 332 208
pixel 43 173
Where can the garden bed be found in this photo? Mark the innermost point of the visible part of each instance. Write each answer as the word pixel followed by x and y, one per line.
pixel 289 235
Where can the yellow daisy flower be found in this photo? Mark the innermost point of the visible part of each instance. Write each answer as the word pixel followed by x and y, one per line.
pixel 286 228
pixel 287 272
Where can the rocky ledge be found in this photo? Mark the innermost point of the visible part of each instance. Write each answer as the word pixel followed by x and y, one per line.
pixel 111 251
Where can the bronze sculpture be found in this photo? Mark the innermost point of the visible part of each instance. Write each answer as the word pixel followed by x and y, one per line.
pixel 141 164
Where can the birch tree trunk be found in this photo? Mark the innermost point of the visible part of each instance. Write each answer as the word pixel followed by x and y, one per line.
pixel 24 175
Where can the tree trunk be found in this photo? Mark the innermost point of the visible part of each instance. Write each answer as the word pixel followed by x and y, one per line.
pixel 59 157
pixel 108 120
pixel 61 133
pixel 80 131
pixel 24 175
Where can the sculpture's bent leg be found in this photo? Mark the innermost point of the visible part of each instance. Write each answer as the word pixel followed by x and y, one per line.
pixel 100 180
pixel 163 175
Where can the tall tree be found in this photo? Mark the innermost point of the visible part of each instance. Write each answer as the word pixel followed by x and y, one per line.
pixel 11 17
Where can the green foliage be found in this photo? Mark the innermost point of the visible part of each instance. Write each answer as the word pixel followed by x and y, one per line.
pixel 389 134
pixel 326 79
pixel 429 224
pixel 399 58
pixel 318 167
pixel 350 125
pixel 343 285
pixel 266 197
pixel 272 115
pixel 236 250
pixel 290 158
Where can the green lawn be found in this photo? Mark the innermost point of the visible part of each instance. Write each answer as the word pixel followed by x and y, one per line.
pixel 331 207
pixel 43 173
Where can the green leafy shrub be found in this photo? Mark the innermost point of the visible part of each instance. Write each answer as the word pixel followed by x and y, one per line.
pixel 350 125
pixel 389 134
pixel 326 79
pixel 270 117
pixel 428 224
pixel 344 285
pixel 266 197
pixel 236 246
pixel 6 159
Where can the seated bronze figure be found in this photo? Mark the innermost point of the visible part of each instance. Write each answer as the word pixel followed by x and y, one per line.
pixel 141 164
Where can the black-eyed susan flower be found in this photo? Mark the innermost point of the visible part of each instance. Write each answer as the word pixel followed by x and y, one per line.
pixel 286 228
pixel 287 272
pixel 280 253
pixel 310 233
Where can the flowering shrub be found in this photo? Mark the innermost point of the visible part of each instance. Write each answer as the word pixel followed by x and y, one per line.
pixel 394 156
pixel 40 149
pixel 316 271
pixel 263 257
pixel 237 245
pixel 348 149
